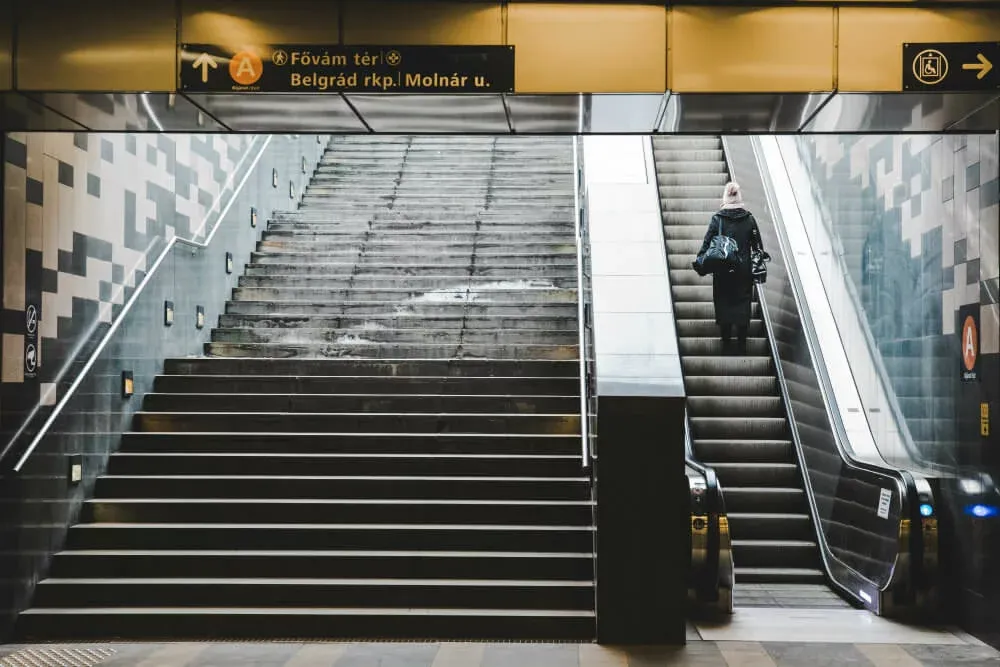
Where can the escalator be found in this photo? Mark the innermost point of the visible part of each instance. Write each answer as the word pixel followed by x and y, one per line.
pixel 811 526
pixel 738 424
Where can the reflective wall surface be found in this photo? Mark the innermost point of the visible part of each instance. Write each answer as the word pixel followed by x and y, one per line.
pixel 914 223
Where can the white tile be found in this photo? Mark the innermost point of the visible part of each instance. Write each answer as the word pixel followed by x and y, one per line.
pixel 459 655
pixel 745 654
pixel 48 393
pixel 34 232
pixel 174 655
pixel 989 322
pixel 834 626
pixel 316 655
pixel 14 232
pixel 631 294
pixel 13 357
pixel 627 259
pixel 48 326
pixel 36 149
pixel 50 215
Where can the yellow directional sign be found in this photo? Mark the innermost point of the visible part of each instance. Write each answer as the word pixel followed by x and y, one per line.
pixel 983 66
pixel 951 66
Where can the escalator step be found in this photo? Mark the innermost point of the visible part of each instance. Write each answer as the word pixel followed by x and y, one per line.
pixel 772 575
pixel 747 451
pixel 752 500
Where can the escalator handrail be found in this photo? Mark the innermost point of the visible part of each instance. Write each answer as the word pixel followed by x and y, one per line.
pixel 876 356
pixel 901 479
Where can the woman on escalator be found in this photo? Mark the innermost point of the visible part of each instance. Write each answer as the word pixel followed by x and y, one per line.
pixel 737 237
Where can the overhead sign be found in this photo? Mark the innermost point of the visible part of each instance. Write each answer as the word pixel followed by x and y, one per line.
pixel 968 329
pixel 951 66
pixel 291 68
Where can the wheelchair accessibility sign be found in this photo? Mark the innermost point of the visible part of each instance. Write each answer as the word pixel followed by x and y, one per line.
pixel 951 66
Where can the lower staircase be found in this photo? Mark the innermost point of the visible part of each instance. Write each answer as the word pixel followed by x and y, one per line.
pixel 382 438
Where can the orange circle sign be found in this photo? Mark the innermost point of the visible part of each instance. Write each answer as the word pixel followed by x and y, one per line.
pixel 246 68
pixel 970 343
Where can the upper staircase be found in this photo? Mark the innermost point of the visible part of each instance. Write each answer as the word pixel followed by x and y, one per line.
pixel 382 439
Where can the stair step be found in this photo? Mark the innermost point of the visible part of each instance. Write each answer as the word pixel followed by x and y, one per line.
pixel 352 443
pixel 249 487
pixel 151 623
pixel 302 402
pixel 302 592
pixel 343 384
pixel 316 537
pixel 375 367
pixel 317 511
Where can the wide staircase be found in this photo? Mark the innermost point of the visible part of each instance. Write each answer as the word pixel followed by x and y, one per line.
pixel 382 439
pixel 737 420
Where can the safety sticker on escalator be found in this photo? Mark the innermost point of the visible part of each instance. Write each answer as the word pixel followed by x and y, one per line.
pixel 884 502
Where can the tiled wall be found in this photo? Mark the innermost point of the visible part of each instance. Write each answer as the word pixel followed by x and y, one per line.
pixel 38 500
pixel 84 215
pixel 917 218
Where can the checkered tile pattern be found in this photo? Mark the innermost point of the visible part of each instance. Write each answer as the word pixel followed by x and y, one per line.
pixel 84 216
pixel 939 194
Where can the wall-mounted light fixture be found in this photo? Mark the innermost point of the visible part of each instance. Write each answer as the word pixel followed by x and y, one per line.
pixel 291 189
pixel 168 313
pixel 199 317
pixel 304 165
pixel 229 262
pixel 128 384
pixel 274 177
pixel 253 216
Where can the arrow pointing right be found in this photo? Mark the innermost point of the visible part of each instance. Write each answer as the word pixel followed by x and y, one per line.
pixel 205 61
pixel 984 66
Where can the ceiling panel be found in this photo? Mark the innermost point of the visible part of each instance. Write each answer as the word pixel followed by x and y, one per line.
pixel 22 114
pixel 130 112
pixel 545 114
pixel 281 112
pixel 739 113
pixel 903 112
pixel 614 113
pixel 446 114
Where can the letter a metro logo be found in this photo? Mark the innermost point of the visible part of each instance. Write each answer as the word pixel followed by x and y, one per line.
pixel 970 344
pixel 246 68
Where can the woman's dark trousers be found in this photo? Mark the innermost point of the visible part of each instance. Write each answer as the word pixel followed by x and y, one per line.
pixel 727 339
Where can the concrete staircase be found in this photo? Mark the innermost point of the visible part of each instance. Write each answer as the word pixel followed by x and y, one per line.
pixel 382 439
pixel 738 423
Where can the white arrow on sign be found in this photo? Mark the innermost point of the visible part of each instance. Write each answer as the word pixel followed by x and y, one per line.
pixel 205 62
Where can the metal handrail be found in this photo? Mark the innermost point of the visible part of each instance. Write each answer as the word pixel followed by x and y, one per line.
pixel 581 295
pixel 81 375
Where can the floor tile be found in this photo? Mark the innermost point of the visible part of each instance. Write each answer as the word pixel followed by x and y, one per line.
pixel 594 655
pixel 968 656
pixel 245 655
pixel 745 654
pixel 316 655
pixel 841 626
pixel 816 655
pixel 531 655
pixel 888 655
pixel 388 655
pixel 695 654
pixel 459 655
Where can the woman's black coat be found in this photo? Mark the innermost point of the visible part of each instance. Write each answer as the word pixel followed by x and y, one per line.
pixel 732 292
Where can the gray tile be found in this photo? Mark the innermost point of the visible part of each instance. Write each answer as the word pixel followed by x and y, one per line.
pixel 948 189
pixel 972 176
pixel 967 655
pixel 34 192
pixel 989 193
pixel 972 272
pixel 989 291
pixel 695 654
pixel 80 140
pixel 117 274
pixel 960 251
pixel 65 174
pixel 107 151
pixel 130 143
pixel 151 155
pixel 388 655
pixel 246 655
pixel 15 152
pixel 104 291
pixel 93 185
pixel 531 655
pixel 816 655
